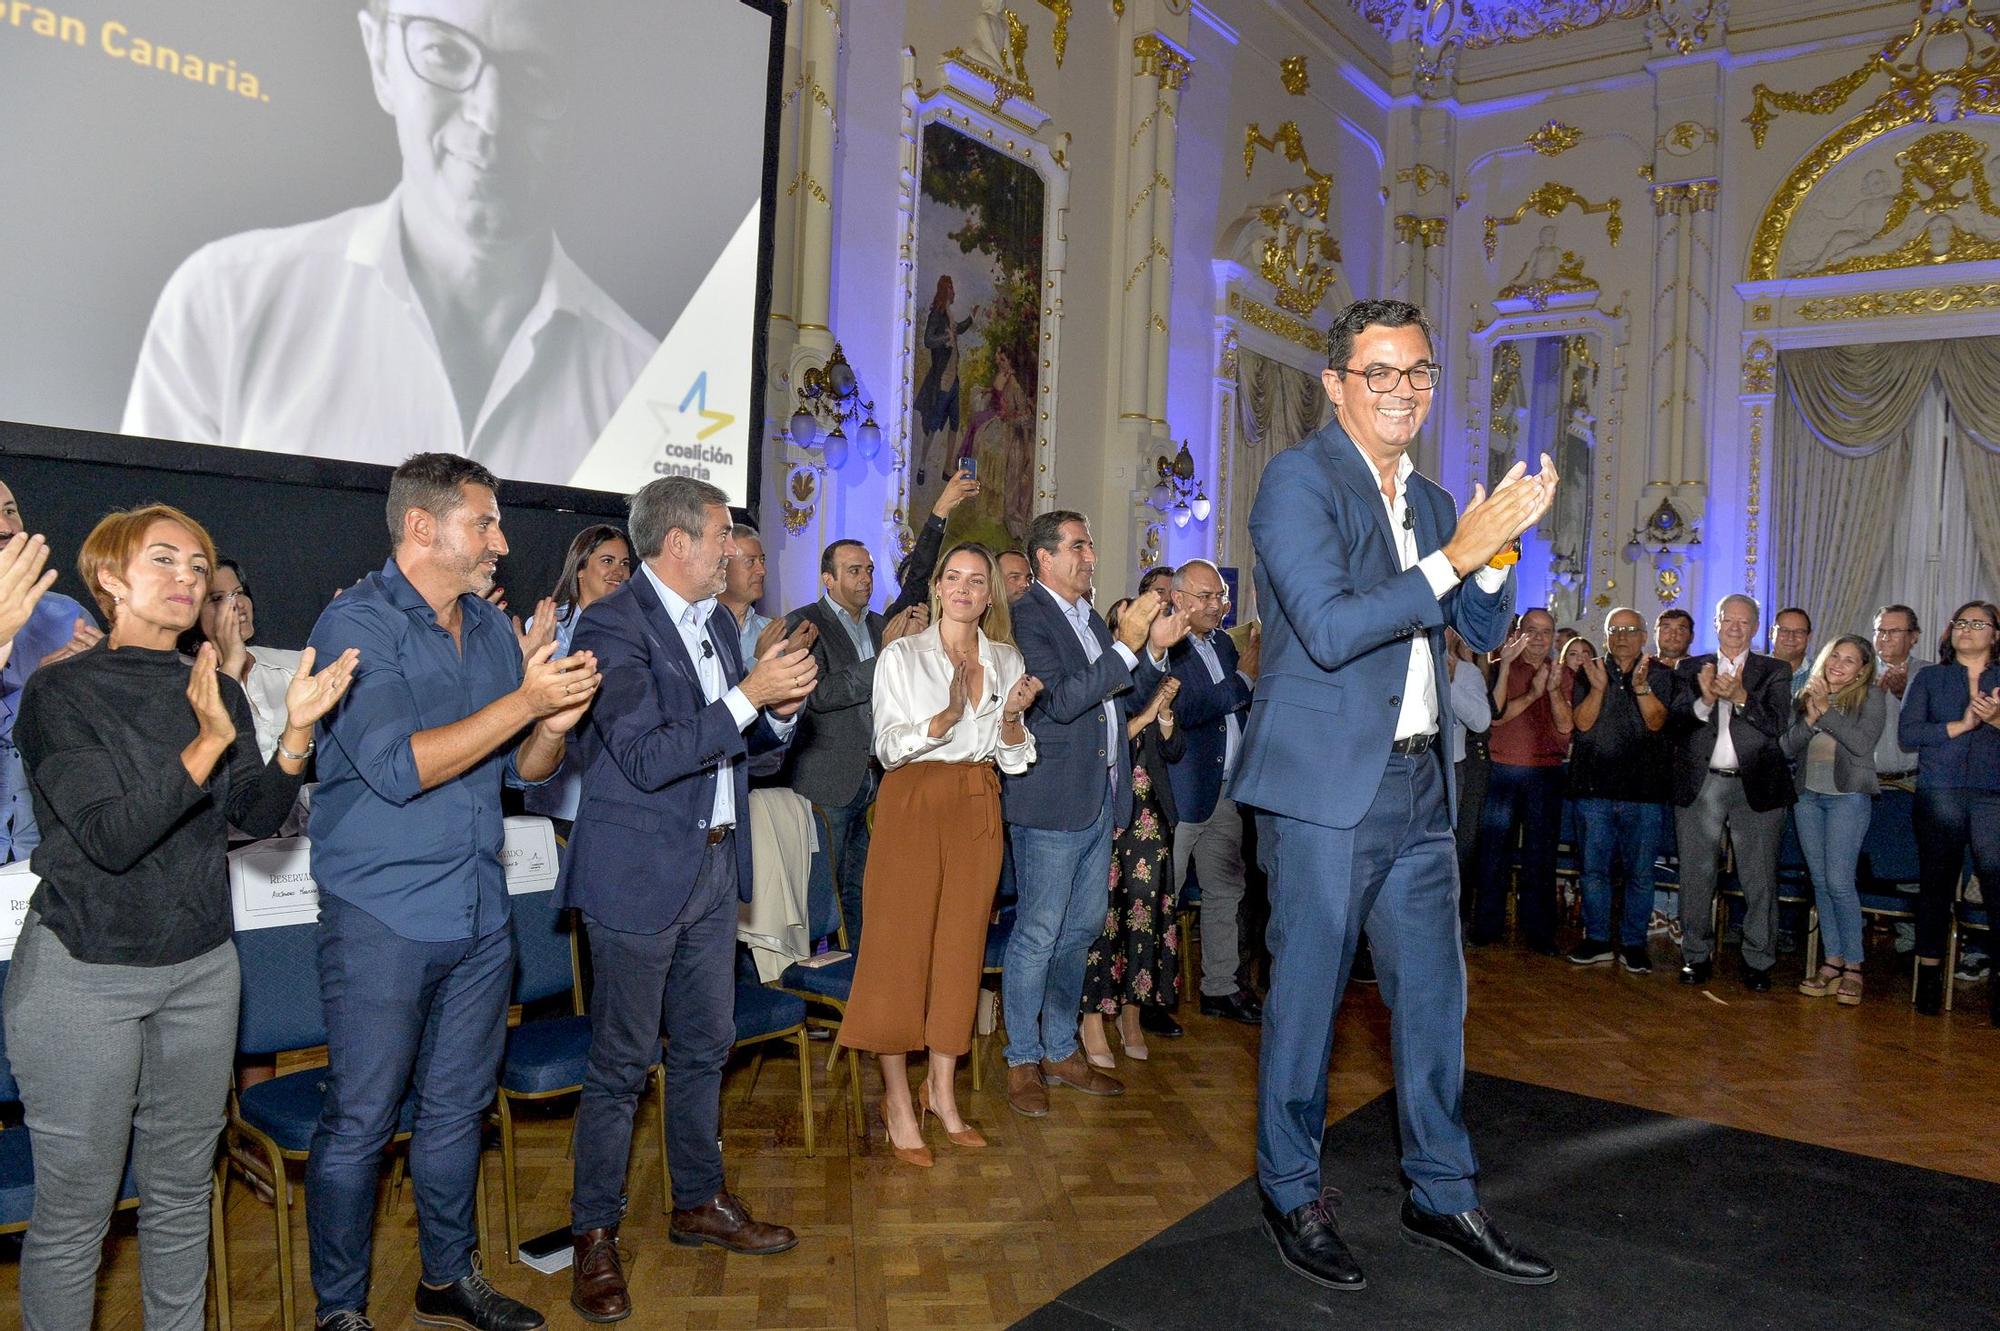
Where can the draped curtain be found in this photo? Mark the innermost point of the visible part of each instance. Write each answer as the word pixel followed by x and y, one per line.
pixel 1276 406
pixel 1870 495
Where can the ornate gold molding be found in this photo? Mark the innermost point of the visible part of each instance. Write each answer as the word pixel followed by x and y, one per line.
pixel 1414 230
pixel 1549 200
pixel 1298 255
pixel 1754 507
pixel 1685 137
pixel 1276 323
pixel 1759 363
pixel 1568 277
pixel 1059 38
pixel 1425 177
pixel 1006 87
pixel 1160 58
pixel 1901 304
pixel 1554 139
pixel 1292 73
pixel 1688 196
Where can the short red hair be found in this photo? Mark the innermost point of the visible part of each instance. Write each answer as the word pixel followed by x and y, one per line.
pixel 118 537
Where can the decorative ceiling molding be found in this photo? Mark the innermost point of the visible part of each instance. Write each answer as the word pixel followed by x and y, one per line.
pixel 1508 21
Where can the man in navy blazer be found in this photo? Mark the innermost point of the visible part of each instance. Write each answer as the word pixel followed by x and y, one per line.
pixel 657 865
pixel 1062 811
pixel 1212 707
pixel 1361 565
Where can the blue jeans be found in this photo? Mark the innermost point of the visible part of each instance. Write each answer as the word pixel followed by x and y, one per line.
pixel 1396 874
pixel 847 825
pixel 1627 833
pixel 1064 881
pixel 1529 798
pixel 1831 830
pixel 401 1012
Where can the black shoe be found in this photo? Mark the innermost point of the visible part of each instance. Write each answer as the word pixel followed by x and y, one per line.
pixel 1930 989
pixel 472 1304
pixel 1235 1007
pixel 1696 972
pixel 1635 960
pixel 1310 1244
pixel 1363 970
pixel 1158 1021
pixel 1590 952
pixel 1471 1235
pixel 1757 980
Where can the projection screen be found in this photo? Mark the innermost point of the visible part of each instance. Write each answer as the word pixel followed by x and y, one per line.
pixel 530 231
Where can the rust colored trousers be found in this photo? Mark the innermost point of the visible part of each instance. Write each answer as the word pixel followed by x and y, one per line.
pixel 933 866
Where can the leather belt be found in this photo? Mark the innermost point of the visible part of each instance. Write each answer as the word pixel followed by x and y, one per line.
pixel 1896 776
pixel 716 834
pixel 1423 743
pixel 1729 772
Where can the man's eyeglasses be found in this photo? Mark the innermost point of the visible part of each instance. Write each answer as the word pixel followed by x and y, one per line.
pixel 1622 632
pixel 1423 376
pixel 1972 624
pixel 1219 598
pixel 1791 633
pixel 453 59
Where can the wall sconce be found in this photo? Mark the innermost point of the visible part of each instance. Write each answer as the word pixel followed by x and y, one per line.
pixel 1177 493
pixel 831 394
pixel 1668 538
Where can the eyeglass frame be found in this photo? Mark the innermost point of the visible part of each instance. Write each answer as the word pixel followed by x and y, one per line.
pixel 1436 372
pixel 1218 597
pixel 488 58
pixel 1973 625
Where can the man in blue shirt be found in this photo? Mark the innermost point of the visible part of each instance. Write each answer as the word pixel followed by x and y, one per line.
pixel 57 628
pixel 416 946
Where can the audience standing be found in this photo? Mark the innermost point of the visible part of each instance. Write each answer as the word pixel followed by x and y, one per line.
pixel 598 563
pixel 1523 789
pixel 1832 741
pixel 1673 634
pixel 747 569
pixel 1016 574
pixel 1791 642
pixel 1951 721
pixel 1471 711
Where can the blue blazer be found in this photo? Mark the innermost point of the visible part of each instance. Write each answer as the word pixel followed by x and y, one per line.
pixel 649 754
pixel 1203 708
pixel 1062 790
pixel 1339 614
pixel 1936 696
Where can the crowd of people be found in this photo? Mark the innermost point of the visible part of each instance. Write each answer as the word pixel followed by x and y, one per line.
pixel 987 743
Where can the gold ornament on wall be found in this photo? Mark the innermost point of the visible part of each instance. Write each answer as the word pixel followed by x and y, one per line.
pixel 1550 200
pixel 1299 251
pixel 1059 38
pixel 1902 304
pixel 1759 362
pixel 1684 138
pixel 1292 73
pixel 1276 323
pixel 1163 60
pixel 1424 176
pixel 1555 138
pixel 1414 230
pixel 1933 169
pixel 1536 290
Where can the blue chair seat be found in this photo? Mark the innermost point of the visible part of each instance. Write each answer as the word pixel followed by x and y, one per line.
pixel 547 1055
pixel 1889 903
pixel 997 935
pixel 1972 916
pixel 286 1109
pixel 762 1011
pixel 835 980
pixel 17 1179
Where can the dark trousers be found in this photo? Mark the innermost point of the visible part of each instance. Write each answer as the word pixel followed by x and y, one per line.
pixel 680 981
pixel 847 828
pixel 1396 872
pixel 1529 798
pixel 1472 771
pixel 1948 823
pixel 402 1017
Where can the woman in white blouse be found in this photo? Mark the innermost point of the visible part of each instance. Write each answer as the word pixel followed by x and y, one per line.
pixel 228 619
pixel 948 708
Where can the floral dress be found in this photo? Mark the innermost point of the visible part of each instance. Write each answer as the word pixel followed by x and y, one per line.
pixel 1137 959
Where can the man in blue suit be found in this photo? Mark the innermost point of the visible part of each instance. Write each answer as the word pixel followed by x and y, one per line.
pixel 657 865
pixel 1060 815
pixel 1361 565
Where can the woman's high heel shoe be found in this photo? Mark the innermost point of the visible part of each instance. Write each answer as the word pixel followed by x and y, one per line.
pixel 968 1136
pixel 921 1156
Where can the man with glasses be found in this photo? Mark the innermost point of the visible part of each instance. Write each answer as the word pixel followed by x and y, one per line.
pixel 1212 706
pixel 1361 564
pixel 446 317
pixel 1791 642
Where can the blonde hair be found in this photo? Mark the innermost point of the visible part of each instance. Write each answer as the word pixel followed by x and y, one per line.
pixel 997 624
pixel 118 538
pixel 1850 698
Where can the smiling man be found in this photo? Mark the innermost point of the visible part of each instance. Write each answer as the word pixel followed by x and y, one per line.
pixel 1361 564
pixel 446 317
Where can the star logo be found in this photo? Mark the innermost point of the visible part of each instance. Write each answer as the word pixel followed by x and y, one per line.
pixel 697 396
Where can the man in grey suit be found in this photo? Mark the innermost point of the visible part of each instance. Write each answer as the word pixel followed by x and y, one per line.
pixel 832 762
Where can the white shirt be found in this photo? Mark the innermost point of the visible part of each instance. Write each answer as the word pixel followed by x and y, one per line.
pixel 692 621
pixel 1078 614
pixel 311 340
pixel 913 684
pixel 271 673
pixel 1471 706
pixel 857 627
pixel 1204 647
pixel 1419 714
pixel 1723 759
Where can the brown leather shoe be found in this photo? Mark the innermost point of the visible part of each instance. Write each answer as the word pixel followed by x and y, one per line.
pixel 725 1221
pixel 597 1279
pixel 1025 1091
pixel 1077 1074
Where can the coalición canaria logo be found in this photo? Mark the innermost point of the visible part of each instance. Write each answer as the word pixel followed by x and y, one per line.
pixel 685 431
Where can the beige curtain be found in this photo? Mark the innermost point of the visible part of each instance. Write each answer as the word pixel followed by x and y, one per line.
pixel 1970 372
pixel 1860 397
pixel 1826 525
pixel 1276 406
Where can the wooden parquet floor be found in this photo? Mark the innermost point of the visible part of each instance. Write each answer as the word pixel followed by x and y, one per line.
pixel 987 1236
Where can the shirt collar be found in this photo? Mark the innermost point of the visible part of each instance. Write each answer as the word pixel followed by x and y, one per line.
pixel 1067 606
pixel 678 606
pixel 1404 466
pixel 403 594
pixel 826 599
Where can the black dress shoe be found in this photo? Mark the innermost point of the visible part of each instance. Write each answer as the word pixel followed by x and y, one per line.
pixel 471 1304
pixel 1930 989
pixel 1696 972
pixel 1757 981
pixel 1310 1244
pixel 1158 1021
pixel 1234 1007
pixel 1471 1235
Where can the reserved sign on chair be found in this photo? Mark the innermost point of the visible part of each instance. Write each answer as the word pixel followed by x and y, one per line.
pixel 271 884
pixel 17 884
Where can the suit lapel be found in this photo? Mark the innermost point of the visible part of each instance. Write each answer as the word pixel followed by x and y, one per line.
pixel 839 647
pixel 666 635
pixel 1429 534
pixel 1345 458
pixel 1067 638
